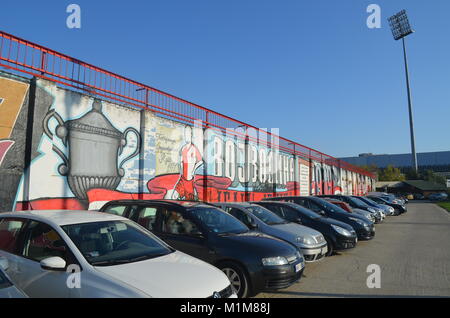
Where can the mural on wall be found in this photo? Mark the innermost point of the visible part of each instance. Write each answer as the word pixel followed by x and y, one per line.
pixel 12 96
pixel 86 144
pixel 316 178
pixel 337 180
pixel 304 170
pixel 89 151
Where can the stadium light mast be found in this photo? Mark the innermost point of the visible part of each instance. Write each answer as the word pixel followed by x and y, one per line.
pixel 401 28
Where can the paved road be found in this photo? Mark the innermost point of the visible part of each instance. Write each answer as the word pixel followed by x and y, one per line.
pixel 413 251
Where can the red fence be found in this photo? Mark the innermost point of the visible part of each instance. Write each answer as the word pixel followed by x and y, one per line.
pixel 26 57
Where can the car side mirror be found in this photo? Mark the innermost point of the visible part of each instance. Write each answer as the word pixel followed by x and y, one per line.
pixel 298 220
pixel 197 234
pixel 4 264
pixel 253 226
pixel 55 263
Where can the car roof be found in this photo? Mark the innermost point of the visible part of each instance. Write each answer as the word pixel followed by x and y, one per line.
pixel 236 204
pixel 182 203
pixel 63 217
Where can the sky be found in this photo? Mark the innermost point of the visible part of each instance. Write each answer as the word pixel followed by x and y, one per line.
pixel 311 68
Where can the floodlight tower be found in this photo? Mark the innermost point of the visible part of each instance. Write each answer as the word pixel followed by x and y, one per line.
pixel 400 29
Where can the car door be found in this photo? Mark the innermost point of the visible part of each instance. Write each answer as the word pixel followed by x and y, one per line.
pixel 10 232
pixel 180 231
pixel 41 241
pixel 241 216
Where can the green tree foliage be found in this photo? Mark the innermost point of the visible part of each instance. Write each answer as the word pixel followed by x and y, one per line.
pixel 390 173
pixel 429 175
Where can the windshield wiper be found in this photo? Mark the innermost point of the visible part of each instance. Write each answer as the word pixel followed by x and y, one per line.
pixel 129 260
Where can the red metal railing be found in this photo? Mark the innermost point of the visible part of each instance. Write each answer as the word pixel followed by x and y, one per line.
pixel 23 56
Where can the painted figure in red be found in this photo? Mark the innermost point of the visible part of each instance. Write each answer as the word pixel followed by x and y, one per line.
pixel 191 160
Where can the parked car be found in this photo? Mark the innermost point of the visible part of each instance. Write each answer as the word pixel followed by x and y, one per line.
pixel 363 227
pixel 339 235
pixel 387 210
pixel 253 261
pixel 310 242
pixel 438 196
pixel 346 207
pixel 358 204
pixel 418 196
pixel 7 288
pixel 114 256
pixel 399 208
pixel 388 197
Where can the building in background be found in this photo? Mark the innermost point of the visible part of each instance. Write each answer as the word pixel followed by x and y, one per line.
pixel 438 162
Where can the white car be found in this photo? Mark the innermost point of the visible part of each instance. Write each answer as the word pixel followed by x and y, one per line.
pixel 7 288
pixel 89 254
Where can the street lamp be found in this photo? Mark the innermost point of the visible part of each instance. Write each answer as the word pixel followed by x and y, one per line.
pixel 400 29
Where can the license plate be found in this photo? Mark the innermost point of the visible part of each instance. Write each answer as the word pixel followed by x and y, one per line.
pixel 298 267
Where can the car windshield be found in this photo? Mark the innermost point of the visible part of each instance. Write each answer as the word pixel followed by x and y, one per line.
pixel 378 200
pixel 369 201
pixel 329 206
pixel 265 215
pixel 4 282
pixel 218 221
pixel 358 203
pixel 305 212
pixel 115 242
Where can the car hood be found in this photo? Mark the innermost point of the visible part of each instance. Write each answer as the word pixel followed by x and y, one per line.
pixel 362 212
pixel 12 292
pixel 174 275
pixel 332 221
pixel 260 244
pixel 297 229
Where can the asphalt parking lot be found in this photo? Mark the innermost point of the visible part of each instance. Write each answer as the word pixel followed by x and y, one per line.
pixel 412 250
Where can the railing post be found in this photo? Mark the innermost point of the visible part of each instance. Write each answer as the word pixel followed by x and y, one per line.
pixel 43 62
pixel 205 159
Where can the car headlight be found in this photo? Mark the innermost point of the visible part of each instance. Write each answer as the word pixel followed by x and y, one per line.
pixel 305 240
pixel 275 261
pixel 341 230
pixel 391 209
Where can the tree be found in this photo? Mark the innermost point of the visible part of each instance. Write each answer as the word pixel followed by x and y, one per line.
pixel 429 175
pixel 390 173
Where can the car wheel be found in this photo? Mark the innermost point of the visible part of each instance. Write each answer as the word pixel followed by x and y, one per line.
pixel 330 247
pixel 238 278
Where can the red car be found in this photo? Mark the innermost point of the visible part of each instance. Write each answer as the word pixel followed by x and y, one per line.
pixel 340 204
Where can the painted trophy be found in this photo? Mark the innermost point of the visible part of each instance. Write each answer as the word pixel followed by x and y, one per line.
pixel 94 146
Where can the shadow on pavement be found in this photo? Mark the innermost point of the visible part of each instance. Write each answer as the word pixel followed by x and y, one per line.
pixel 306 294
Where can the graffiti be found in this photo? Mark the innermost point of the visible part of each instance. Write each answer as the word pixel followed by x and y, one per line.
pixel 191 160
pixel 92 151
pixel 12 95
pixel 94 147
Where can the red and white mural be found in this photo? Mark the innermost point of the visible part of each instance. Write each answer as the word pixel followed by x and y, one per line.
pixel 92 151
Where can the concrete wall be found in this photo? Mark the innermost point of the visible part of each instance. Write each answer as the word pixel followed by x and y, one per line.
pixel 67 150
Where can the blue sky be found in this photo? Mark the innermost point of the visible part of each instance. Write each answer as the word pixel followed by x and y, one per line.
pixel 310 68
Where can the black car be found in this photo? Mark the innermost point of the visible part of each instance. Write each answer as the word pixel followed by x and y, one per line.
pixel 355 203
pixel 339 235
pixel 399 208
pixel 252 261
pixel 363 227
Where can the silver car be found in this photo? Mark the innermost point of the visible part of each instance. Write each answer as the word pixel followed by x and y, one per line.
pixel 368 215
pixel 7 288
pixel 310 242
